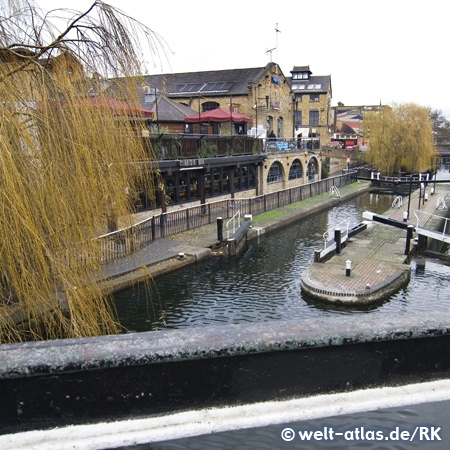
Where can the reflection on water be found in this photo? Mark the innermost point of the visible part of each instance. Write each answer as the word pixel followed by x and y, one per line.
pixel 263 284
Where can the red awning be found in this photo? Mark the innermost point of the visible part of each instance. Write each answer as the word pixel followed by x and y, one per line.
pixel 218 115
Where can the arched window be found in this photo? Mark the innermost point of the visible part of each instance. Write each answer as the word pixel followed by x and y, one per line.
pixel 313 169
pixel 209 106
pixel 275 174
pixel 296 171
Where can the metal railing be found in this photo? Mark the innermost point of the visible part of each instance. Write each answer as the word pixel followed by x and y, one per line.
pixel 441 203
pixel 122 243
pixel 344 236
pixel 236 217
pixel 398 202
pixel 422 218
pixel 334 192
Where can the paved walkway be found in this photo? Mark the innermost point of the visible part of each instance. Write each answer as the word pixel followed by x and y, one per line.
pixel 161 256
pixel 378 253
pixel 379 259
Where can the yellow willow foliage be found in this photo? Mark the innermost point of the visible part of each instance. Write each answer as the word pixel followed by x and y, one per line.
pixel 400 139
pixel 71 163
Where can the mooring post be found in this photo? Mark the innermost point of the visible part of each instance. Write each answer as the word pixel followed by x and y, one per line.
pixel 348 268
pixel 220 229
pixel 409 235
pixel 337 239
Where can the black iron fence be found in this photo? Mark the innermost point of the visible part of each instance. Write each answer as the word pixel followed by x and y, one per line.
pixel 122 243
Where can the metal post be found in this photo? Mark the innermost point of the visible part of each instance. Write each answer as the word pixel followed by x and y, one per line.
pixel 220 229
pixel 409 196
pixel 337 239
pixel 153 227
pixel 409 235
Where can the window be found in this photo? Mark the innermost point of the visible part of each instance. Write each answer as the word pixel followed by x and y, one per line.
pixel 298 98
pixel 296 170
pixel 275 173
pixel 314 117
pixel 300 76
pixel 209 106
pixel 280 126
pixel 243 179
pixel 314 97
pixel 298 119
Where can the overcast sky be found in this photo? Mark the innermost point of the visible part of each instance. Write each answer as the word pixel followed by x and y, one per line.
pixel 393 51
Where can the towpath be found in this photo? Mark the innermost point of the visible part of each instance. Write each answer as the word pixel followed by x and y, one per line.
pixel 162 256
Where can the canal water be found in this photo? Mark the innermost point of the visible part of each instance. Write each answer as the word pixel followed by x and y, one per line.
pixel 263 283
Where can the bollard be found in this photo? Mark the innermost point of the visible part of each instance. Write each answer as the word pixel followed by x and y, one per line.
pixel 337 239
pixel 405 216
pixel 422 242
pixel 409 235
pixel 317 256
pixel 348 268
pixel 180 255
pixel 220 229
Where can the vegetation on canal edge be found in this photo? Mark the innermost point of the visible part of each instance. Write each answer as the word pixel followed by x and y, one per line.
pixel 285 211
pixel 70 163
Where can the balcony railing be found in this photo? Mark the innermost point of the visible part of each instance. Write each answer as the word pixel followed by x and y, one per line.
pixel 179 146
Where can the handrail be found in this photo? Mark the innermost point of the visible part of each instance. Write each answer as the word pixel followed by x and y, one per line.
pixel 441 200
pixel 327 233
pixel 335 191
pixel 446 220
pixel 233 219
pixel 398 202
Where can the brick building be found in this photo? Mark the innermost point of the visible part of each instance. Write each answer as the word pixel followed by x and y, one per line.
pixel 312 106
pixel 262 93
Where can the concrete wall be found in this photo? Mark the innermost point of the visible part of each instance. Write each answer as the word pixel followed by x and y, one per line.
pixel 55 383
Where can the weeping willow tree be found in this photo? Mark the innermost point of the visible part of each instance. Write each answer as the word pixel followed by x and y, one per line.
pixel 400 139
pixel 71 162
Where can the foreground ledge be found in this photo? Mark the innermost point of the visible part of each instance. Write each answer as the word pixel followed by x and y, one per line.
pixel 76 381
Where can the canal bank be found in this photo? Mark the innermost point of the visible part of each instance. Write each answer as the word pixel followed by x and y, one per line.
pixel 184 249
pixel 376 262
pixel 151 373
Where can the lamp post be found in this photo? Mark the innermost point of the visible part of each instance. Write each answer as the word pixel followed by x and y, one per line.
pixel 409 196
